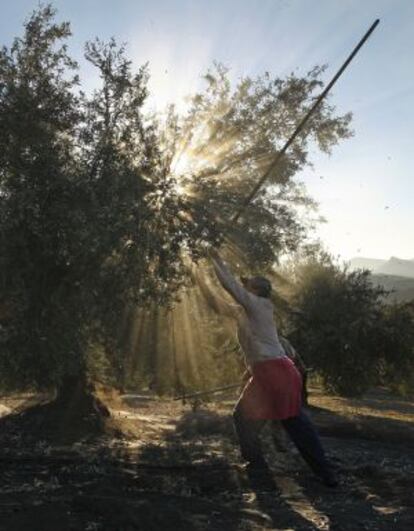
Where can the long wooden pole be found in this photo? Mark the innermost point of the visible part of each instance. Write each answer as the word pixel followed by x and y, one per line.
pixel 301 125
pixel 276 161
pixel 208 392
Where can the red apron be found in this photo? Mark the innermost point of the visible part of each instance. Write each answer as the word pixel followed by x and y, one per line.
pixel 273 392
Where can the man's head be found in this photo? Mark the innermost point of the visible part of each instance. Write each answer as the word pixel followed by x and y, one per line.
pixel 260 286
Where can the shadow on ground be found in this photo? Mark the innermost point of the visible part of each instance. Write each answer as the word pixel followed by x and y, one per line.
pixel 179 469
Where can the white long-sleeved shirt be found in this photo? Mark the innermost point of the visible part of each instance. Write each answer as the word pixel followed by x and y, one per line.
pixel 256 328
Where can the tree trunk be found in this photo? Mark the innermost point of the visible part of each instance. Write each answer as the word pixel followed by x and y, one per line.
pixel 78 396
pixel 75 414
pixel 76 410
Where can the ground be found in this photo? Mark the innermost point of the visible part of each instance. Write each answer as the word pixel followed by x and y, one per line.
pixel 177 467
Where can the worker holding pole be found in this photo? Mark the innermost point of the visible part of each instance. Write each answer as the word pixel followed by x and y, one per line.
pixel 274 392
pixel 275 389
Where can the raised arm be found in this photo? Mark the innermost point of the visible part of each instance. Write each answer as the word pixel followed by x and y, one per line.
pixel 218 304
pixel 230 284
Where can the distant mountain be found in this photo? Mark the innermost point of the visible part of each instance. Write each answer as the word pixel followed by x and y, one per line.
pixel 402 287
pixel 395 274
pixel 367 263
pixel 394 266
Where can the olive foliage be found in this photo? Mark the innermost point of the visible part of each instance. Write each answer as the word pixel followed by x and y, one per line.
pixel 347 331
pixel 98 215
pixel 89 218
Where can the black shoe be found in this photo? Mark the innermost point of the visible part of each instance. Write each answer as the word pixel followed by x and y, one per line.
pixel 260 476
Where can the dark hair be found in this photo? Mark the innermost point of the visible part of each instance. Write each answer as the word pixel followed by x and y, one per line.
pixel 262 286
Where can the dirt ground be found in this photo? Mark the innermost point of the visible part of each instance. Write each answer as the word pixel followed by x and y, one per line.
pixel 177 467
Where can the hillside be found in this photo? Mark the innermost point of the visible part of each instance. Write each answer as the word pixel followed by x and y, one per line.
pixel 403 286
pixel 397 267
pixel 366 263
pixel 394 266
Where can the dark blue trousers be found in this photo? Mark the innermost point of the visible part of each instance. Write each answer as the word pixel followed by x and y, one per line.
pixel 301 431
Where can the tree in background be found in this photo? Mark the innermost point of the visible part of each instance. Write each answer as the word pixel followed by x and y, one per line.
pixel 344 328
pixel 39 112
pixel 397 368
pixel 97 209
pixel 227 139
pixel 89 218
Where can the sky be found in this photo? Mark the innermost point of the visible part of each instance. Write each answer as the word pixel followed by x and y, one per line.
pixel 365 188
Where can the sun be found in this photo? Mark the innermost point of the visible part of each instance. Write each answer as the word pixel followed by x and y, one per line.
pixel 184 167
pixel 182 164
pixel 195 154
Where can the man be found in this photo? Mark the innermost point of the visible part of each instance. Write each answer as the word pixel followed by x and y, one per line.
pixel 274 391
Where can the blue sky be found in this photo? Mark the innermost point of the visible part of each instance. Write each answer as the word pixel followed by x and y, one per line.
pixel 365 188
